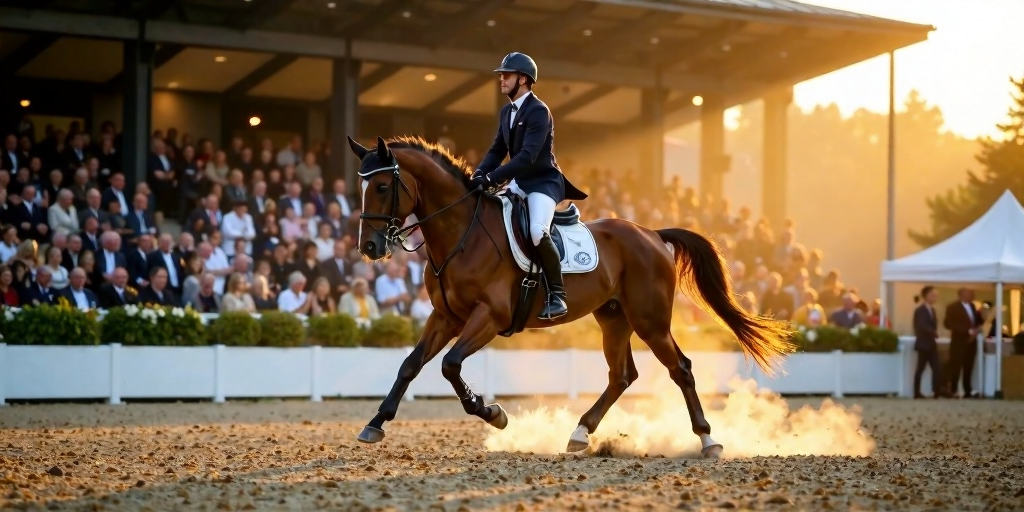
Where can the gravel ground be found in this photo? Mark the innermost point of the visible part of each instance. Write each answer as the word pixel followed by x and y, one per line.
pixel 295 455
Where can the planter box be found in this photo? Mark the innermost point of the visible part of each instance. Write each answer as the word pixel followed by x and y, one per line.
pixel 1013 377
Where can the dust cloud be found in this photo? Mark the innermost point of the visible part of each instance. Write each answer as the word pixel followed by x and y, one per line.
pixel 749 422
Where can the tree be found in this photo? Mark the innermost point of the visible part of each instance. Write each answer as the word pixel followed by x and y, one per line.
pixel 1003 169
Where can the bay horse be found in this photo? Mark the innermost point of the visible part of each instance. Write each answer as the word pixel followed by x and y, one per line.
pixel 473 280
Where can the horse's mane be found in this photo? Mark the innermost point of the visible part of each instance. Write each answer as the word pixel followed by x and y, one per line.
pixel 455 166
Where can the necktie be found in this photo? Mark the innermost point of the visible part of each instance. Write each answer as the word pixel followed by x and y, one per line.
pixel 213 218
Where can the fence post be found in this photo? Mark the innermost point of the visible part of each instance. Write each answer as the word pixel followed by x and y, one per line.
pixel 488 376
pixel 3 374
pixel 409 395
pixel 901 372
pixel 218 374
pixel 115 374
pixel 571 375
pixel 314 385
pixel 837 358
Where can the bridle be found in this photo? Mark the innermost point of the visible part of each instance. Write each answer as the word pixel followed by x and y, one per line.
pixel 396 235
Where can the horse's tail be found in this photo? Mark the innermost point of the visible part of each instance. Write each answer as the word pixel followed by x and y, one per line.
pixel 703 277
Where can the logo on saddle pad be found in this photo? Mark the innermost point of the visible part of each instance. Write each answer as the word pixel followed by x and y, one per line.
pixel 582 258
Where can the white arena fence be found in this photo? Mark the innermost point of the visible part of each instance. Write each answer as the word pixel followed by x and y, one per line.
pixel 114 372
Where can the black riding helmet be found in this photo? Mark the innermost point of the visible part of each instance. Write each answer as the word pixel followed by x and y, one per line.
pixel 521 63
pixel 516 62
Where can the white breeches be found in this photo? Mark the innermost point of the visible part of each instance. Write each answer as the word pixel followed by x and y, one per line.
pixel 542 211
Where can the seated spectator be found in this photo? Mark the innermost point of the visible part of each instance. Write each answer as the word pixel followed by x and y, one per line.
pixel 359 304
pixel 8 293
pixel 57 271
pixel 847 316
pixel 324 242
pixel 9 244
pixel 158 292
pixel 391 293
pixel 237 297
pixel 321 301
pixel 62 215
pixel 116 292
pixel 88 263
pixel 206 298
pixel 811 314
pixel 261 296
pixel 421 307
pixel 293 299
pixel 76 293
pixel 776 301
pixel 40 292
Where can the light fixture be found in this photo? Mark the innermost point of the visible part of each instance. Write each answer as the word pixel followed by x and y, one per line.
pixel 254 121
pixel 331 5
pixel 220 58
pixel 25 103
pixel 697 100
pixel 491 23
pixel 172 85
pixel 406 14
pixel 654 40
pixel 430 77
pixel 726 47
pixel 587 32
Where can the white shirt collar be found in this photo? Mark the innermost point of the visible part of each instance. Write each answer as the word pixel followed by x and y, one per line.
pixel 522 99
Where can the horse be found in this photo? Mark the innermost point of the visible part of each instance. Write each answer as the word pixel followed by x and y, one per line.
pixel 472 282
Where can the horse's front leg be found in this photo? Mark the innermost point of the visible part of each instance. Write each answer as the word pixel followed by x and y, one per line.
pixel 437 332
pixel 480 329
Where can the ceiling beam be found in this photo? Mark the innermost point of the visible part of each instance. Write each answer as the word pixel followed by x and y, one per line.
pixel 705 39
pixel 467 21
pixel 383 72
pixel 162 56
pixel 629 34
pixel 26 52
pixel 259 13
pixel 573 18
pixel 761 55
pixel 460 91
pixel 260 74
pixel 582 100
pixel 373 18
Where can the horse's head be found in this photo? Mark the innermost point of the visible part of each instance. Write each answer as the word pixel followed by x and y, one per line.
pixel 387 200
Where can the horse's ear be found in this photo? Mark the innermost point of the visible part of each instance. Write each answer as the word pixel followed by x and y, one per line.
pixel 357 148
pixel 383 153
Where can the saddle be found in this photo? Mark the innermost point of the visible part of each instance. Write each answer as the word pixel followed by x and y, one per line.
pixel 566 228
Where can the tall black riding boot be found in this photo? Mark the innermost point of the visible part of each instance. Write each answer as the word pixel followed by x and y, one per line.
pixel 554 306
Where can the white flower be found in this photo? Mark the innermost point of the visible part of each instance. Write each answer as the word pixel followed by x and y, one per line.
pixel 363 323
pixel 861 325
pixel 9 315
pixel 178 312
pixel 855 330
pixel 802 329
pixel 131 309
pixel 160 312
pixel 812 335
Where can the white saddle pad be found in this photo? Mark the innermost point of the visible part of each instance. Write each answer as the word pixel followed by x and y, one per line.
pixel 580 247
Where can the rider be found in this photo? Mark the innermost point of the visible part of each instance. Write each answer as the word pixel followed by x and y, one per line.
pixel 526 135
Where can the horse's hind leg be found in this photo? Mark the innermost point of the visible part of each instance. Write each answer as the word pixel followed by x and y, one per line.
pixel 622 372
pixel 652 319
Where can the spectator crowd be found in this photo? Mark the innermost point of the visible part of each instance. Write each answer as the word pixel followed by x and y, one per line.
pixel 263 229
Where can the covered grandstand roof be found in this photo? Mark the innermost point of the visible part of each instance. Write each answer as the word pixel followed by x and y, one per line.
pixel 594 55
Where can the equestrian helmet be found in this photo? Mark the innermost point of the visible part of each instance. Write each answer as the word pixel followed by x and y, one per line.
pixel 516 62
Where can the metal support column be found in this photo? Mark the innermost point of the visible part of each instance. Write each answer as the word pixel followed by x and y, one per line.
pixel 776 136
pixel 137 107
pixel 344 117
pixel 652 138
pixel 890 246
pixel 713 162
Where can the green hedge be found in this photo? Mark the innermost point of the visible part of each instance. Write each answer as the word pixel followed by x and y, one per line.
pixel 64 325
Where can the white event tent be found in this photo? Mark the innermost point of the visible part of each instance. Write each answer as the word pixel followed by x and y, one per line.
pixel 991 250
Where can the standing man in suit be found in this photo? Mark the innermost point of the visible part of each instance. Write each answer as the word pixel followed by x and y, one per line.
pixel 962 319
pixel 926 331
pixel 526 134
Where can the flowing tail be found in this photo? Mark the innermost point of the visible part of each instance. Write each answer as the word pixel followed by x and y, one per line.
pixel 703 277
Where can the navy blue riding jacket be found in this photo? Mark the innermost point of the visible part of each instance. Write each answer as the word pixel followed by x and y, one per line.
pixel 529 144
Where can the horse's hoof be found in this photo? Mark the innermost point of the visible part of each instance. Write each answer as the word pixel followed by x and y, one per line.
pixel 370 435
pixel 579 440
pixel 501 420
pixel 709 448
pixel 713 452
